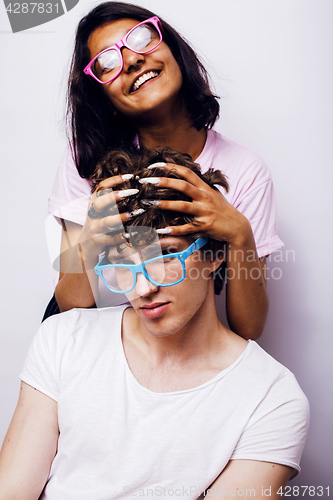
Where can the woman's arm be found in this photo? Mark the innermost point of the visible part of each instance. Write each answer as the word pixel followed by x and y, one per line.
pixel 246 294
pixel 74 288
pixel 29 447
pixel 247 300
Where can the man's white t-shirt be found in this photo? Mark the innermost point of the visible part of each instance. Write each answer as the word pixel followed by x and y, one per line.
pixel 118 439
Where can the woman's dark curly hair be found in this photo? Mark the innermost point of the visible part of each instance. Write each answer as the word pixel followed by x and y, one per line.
pixel 119 162
pixel 94 125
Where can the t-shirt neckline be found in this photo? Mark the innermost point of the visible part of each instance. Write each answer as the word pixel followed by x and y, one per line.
pixel 213 380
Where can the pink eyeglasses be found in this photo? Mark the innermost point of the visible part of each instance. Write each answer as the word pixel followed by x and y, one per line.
pixel 142 38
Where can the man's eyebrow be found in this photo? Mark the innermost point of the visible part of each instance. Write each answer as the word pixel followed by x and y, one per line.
pixel 175 247
pixel 120 254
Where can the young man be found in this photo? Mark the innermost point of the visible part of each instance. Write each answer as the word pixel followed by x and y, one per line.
pixel 158 399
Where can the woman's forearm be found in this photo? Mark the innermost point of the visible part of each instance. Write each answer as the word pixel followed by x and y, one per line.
pixel 78 257
pixel 75 288
pixel 246 295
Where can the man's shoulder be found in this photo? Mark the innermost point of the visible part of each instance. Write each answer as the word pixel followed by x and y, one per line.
pixel 263 363
pixel 83 322
pixel 265 374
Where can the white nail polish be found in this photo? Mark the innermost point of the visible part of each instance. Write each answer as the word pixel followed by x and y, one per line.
pixel 150 180
pixel 151 203
pixel 127 177
pixel 164 230
pixel 159 164
pixel 126 236
pixel 127 192
pixel 139 211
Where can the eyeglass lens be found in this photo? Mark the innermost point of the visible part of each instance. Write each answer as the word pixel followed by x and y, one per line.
pixel 142 39
pixel 164 271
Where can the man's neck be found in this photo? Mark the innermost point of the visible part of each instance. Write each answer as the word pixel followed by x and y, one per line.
pixel 183 360
pixel 197 338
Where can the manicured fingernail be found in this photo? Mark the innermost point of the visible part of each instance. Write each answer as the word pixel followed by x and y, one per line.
pixel 159 164
pixel 127 192
pixel 103 192
pixel 139 211
pixel 150 180
pixel 122 246
pixel 151 203
pixel 127 177
pixel 164 230
pixel 125 236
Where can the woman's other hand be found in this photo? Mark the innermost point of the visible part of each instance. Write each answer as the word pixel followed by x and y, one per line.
pixel 104 224
pixel 81 245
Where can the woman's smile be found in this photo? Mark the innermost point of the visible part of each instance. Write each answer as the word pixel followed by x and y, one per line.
pixel 144 78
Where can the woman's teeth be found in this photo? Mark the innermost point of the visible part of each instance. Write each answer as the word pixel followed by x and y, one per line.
pixel 143 79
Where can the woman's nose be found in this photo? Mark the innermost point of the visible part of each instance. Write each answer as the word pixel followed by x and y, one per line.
pixel 143 286
pixel 131 59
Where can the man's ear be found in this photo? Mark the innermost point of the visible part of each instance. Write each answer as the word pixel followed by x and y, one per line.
pixel 216 260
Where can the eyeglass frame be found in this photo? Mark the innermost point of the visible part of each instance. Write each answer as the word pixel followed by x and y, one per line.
pixel 122 43
pixel 140 268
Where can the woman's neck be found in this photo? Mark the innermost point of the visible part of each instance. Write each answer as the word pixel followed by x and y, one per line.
pixel 178 134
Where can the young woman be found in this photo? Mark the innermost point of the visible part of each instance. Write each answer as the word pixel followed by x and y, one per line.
pixel 134 80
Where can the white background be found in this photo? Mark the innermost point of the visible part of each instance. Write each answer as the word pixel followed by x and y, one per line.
pixel 271 63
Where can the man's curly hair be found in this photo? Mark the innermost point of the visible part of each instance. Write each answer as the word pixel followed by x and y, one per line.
pixel 120 162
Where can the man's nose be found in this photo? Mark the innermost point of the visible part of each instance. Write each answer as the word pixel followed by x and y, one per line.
pixel 131 59
pixel 143 286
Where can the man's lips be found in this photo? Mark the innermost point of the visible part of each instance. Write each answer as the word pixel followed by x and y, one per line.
pixel 143 78
pixel 155 310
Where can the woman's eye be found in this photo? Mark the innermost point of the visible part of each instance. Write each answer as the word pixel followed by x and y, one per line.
pixel 140 37
pixel 108 61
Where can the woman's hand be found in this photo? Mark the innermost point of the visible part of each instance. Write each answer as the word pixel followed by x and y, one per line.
pixel 104 224
pixel 81 246
pixel 213 214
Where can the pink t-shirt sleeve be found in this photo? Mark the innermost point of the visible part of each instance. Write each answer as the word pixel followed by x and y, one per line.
pixel 256 200
pixel 251 187
pixel 71 193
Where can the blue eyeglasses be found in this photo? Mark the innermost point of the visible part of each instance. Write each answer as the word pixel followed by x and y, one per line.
pixel 165 270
